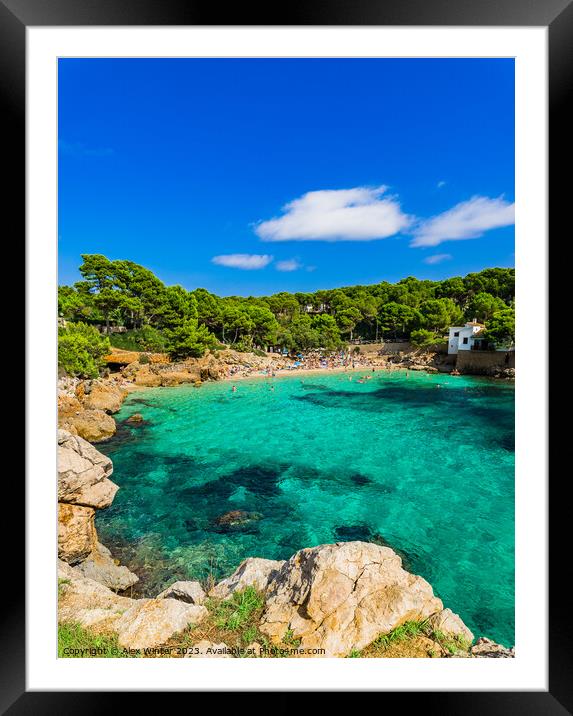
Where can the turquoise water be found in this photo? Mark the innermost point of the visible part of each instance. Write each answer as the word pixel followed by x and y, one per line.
pixel 428 470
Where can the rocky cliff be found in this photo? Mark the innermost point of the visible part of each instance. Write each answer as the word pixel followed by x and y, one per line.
pixel 85 407
pixel 84 487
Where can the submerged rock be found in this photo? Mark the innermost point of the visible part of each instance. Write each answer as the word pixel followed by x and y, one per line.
pixel 237 520
pixel 237 517
pixel 253 572
pixel 342 596
pixel 135 418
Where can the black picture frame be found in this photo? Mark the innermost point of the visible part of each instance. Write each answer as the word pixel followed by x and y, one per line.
pixel 557 15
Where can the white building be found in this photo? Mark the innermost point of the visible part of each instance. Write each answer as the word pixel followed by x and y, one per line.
pixel 462 338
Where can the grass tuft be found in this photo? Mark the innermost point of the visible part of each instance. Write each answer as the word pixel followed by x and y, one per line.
pixel 235 613
pixel 77 642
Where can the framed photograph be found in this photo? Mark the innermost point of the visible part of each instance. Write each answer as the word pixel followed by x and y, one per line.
pixel 286 417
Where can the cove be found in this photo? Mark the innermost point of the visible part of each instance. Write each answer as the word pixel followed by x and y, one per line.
pixel 421 462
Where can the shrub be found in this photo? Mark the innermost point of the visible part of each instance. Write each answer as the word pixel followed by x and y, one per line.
pixel 81 349
pixel 147 338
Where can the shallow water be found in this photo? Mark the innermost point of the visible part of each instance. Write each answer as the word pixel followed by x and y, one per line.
pixel 428 470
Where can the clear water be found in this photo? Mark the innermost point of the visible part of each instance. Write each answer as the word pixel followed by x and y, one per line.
pixel 428 470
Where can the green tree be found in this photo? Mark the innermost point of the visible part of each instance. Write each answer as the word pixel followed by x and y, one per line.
pixel 327 333
pixel 189 340
pixel 81 349
pixel 483 305
pixel 440 313
pixel 500 329
pixel 397 317
pixel 423 338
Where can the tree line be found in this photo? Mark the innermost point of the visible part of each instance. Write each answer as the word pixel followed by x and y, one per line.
pixel 182 323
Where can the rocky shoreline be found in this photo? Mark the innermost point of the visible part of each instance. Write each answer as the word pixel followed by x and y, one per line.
pixel 330 600
pixel 86 407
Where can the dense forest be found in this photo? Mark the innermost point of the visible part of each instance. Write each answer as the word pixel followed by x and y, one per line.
pixel 122 304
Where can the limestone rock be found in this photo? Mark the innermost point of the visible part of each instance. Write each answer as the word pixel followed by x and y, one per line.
pixel 488 649
pixel 84 601
pixel 151 622
pixel 449 623
pixel 104 396
pixel 135 418
pixel 83 473
pixel 68 405
pixel 252 572
pixel 101 567
pixel 205 649
pixel 91 425
pixel 342 596
pixel 147 378
pixel 190 592
pixel 169 378
pixel 76 532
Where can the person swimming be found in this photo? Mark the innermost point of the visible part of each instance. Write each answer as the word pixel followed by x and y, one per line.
pixel 234 389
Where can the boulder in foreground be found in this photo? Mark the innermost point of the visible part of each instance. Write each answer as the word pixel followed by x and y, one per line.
pixel 151 622
pixel 252 572
pixel 340 597
pixel 190 592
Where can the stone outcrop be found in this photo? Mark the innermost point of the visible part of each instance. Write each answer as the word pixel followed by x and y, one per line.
pixel 92 425
pixel 104 396
pixel 120 357
pixel 190 592
pixel 252 572
pixel 83 487
pixel 76 532
pixel 84 407
pixel 340 597
pixel 488 649
pixel 151 622
pixel 87 602
pixel 100 566
pixel 83 473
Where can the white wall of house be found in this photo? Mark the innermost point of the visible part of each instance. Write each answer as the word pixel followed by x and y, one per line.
pixel 461 338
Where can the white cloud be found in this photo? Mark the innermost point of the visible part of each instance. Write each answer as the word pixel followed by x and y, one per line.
pixel 247 262
pixel 288 265
pixel 441 184
pixel 437 259
pixel 359 214
pixel 467 220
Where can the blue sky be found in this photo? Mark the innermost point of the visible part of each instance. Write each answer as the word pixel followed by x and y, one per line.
pixel 252 176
